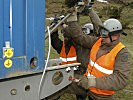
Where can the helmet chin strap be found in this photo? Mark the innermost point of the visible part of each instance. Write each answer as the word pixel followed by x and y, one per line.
pixel 110 38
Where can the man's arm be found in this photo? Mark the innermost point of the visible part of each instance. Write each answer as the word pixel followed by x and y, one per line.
pixel 56 42
pixel 76 33
pixel 117 80
pixel 95 21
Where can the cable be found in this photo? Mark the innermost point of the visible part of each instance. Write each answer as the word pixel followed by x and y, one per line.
pixel 42 78
pixel 10 22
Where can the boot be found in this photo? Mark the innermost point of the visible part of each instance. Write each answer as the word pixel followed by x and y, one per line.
pixel 89 98
pixel 80 97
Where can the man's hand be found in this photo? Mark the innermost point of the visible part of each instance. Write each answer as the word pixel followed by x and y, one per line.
pixel 73 16
pixel 85 4
pixel 87 82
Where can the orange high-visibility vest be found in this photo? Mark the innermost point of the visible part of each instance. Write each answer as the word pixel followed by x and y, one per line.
pixel 70 57
pixel 103 66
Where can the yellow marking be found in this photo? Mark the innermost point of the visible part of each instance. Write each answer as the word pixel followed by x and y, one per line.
pixel 8 53
pixel 8 63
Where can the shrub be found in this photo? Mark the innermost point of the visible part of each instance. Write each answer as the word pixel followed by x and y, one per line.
pixel 112 11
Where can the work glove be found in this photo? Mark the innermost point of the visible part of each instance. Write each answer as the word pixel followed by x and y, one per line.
pixel 73 16
pixel 88 8
pixel 87 82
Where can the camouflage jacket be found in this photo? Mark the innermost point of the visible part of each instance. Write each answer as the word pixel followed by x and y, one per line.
pixel 117 80
pixel 81 51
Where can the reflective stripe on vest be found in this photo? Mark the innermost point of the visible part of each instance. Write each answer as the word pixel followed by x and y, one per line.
pixel 104 70
pixel 103 66
pixel 70 57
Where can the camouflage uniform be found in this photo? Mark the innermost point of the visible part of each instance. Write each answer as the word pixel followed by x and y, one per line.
pixel 81 52
pixel 117 80
pixel 82 56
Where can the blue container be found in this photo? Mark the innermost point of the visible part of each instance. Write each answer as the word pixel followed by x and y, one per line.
pixel 22 24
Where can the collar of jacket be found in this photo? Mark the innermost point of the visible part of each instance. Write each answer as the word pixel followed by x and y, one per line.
pixel 110 46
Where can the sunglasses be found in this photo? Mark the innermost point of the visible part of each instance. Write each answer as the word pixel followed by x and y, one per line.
pixel 104 33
